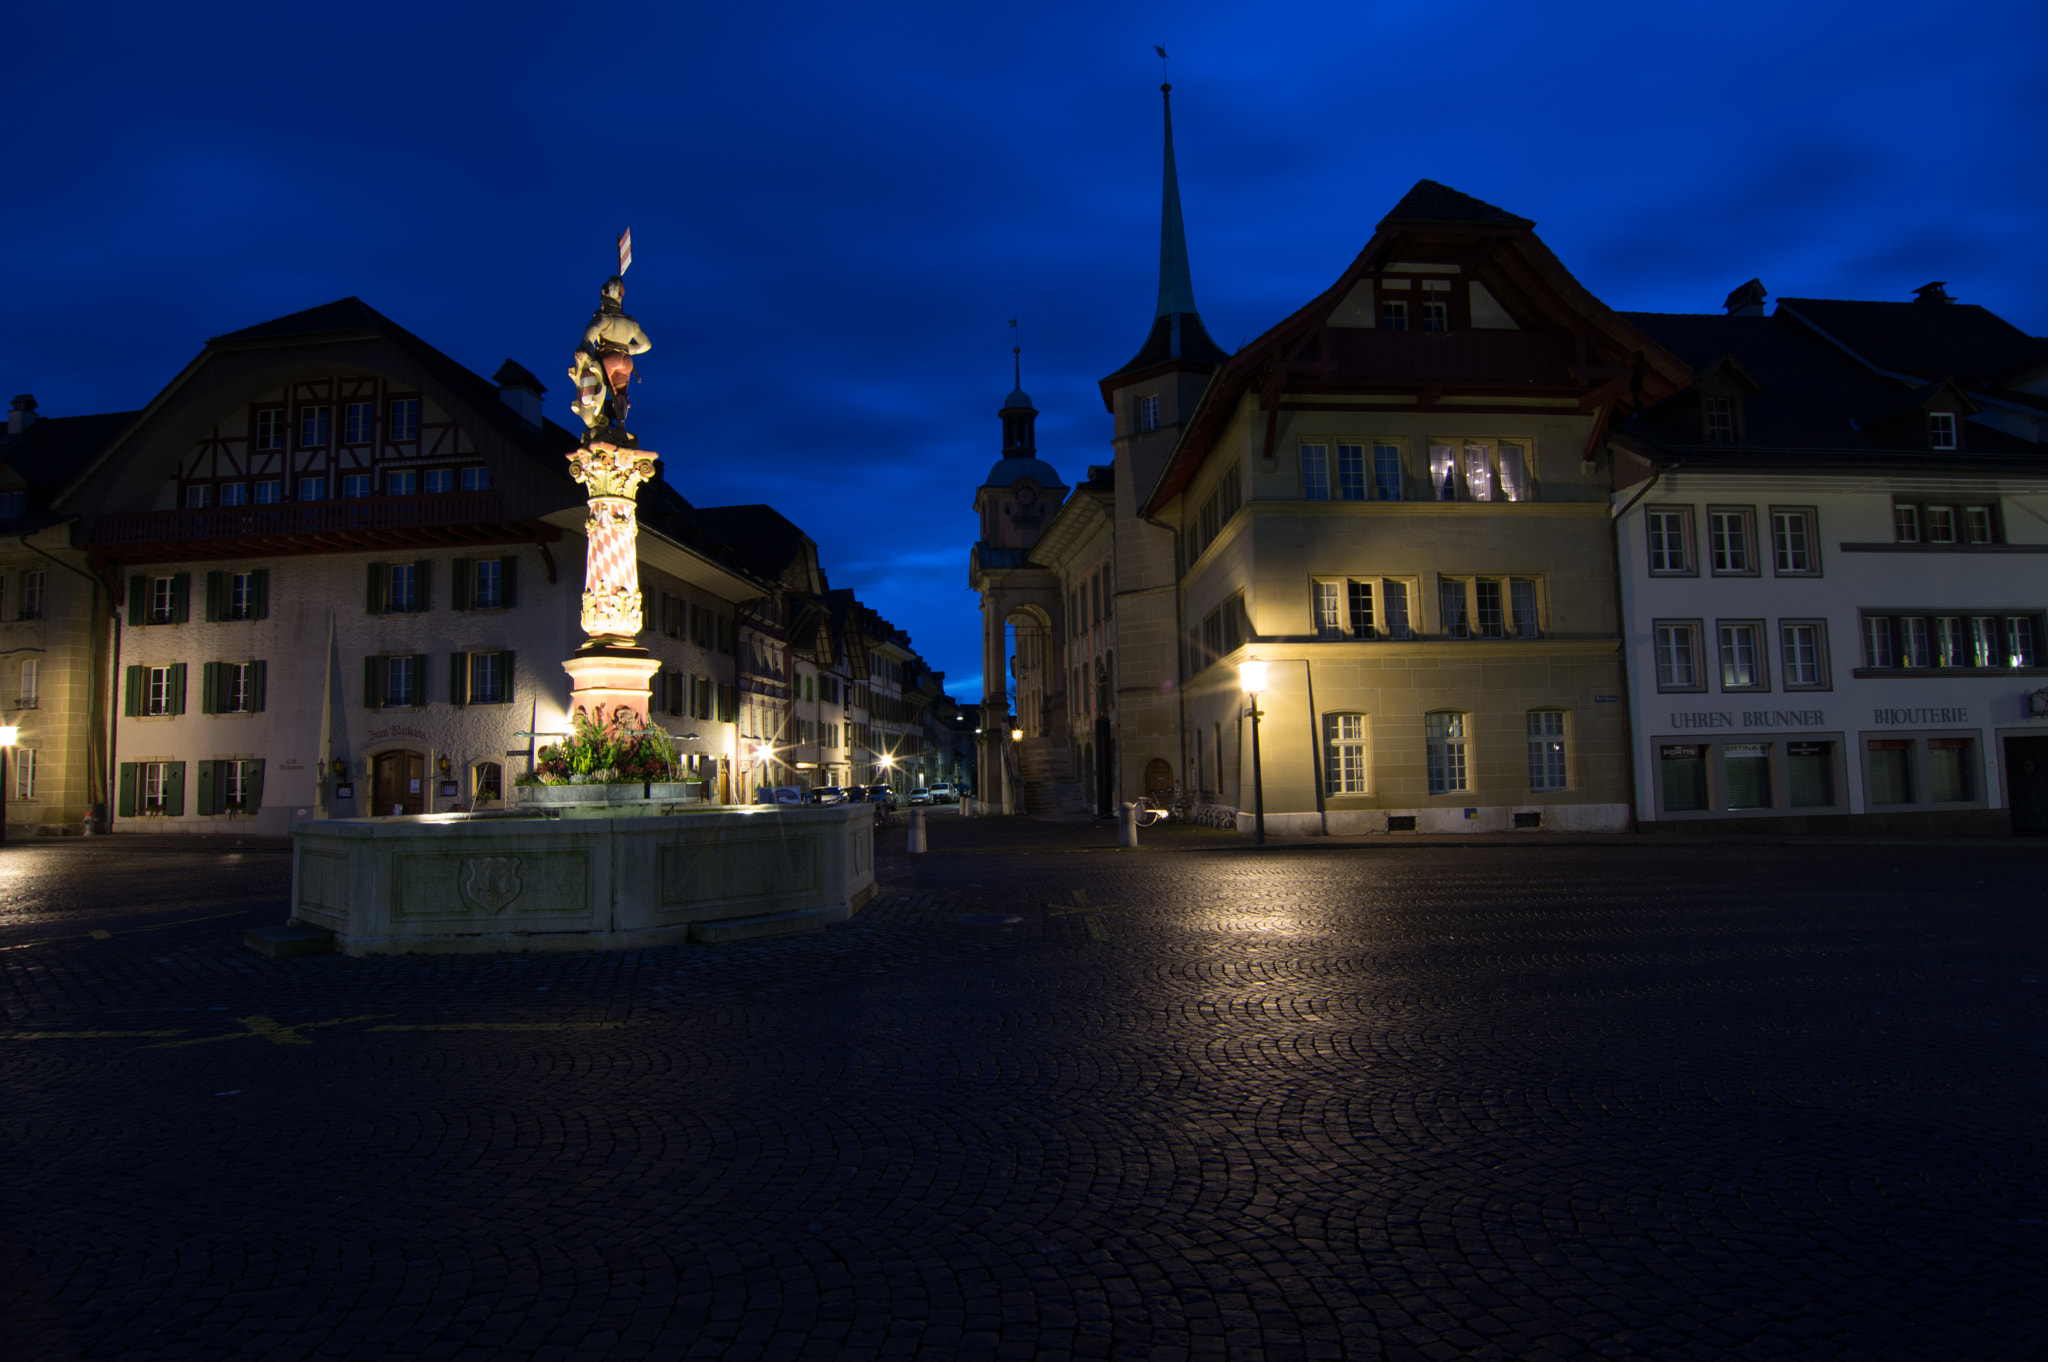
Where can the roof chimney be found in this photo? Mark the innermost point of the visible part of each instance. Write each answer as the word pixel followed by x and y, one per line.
pixel 1932 293
pixel 22 415
pixel 1747 301
pixel 519 390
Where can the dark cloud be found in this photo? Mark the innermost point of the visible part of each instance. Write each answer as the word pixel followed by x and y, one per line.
pixel 836 208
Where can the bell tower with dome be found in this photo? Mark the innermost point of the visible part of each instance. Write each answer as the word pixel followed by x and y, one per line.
pixel 1014 504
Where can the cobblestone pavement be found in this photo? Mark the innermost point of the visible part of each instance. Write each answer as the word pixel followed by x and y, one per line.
pixel 1532 1099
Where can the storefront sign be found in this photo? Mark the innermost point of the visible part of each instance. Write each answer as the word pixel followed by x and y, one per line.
pixel 1750 718
pixel 1959 714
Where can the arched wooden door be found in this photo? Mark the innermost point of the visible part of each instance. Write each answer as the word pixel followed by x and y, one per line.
pixel 398 783
pixel 1158 777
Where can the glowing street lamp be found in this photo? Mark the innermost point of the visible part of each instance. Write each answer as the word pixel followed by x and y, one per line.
pixel 1016 735
pixel 1251 676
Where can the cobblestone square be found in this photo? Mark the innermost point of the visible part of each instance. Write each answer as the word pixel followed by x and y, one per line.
pixel 1043 1098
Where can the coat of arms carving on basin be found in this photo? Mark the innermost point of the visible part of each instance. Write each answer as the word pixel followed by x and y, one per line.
pixel 491 882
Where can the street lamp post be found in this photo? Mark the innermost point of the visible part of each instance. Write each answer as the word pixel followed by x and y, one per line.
pixel 1252 677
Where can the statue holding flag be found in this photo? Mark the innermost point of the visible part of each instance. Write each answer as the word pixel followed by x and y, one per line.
pixel 604 362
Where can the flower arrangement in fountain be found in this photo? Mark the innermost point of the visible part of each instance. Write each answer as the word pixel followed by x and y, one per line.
pixel 607 750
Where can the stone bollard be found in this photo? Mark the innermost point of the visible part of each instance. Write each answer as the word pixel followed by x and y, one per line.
pixel 86 829
pixel 1127 825
pixel 916 831
pixel 967 806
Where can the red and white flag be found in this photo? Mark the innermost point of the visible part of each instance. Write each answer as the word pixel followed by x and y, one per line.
pixel 625 249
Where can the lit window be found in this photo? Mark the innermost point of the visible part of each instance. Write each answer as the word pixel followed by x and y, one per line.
pixel 1546 750
pixel 1514 473
pixel 312 427
pixel 270 428
pixel 488 781
pixel 1443 472
pixel 1478 473
pixel 1344 765
pixel 1444 740
pixel 1315 472
pixel 358 423
pixel 1941 430
pixel 405 418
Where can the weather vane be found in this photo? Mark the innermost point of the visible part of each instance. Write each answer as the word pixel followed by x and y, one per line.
pixel 1163 77
pixel 1017 351
pixel 604 361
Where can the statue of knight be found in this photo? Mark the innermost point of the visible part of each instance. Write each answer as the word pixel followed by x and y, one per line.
pixel 604 362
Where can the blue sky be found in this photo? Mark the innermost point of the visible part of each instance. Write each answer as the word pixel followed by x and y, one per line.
pixel 836 209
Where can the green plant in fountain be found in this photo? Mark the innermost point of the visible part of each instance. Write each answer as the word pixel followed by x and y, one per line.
pixel 614 752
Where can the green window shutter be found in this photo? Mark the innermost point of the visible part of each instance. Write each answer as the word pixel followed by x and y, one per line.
pixel 375 586
pixel 138 601
pixel 252 786
pixel 181 597
pixel 174 789
pixel 259 594
pixel 177 688
pixel 508 581
pixel 423 585
pixel 209 691
pixel 505 660
pixel 458 584
pixel 133 705
pixel 373 682
pixel 126 805
pixel 216 596
pixel 259 675
pixel 205 804
pixel 422 677
pixel 458 678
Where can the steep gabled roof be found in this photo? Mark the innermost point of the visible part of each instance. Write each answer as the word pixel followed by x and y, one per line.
pixel 50 453
pixel 1430 202
pixel 766 541
pixel 1926 340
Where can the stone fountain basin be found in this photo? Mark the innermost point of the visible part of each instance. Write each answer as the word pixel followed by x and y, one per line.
pixel 652 873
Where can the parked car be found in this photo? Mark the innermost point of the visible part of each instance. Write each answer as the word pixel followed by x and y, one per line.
pixel 944 793
pixel 778 794
pixel 828 794
pixel 920 795
pixel 880 794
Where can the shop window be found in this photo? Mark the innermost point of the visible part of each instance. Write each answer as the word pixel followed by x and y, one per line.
pixel 1682 777
pixel 1951 773
pixel 1889 766
pixel 1748 773
pixel 1810 774
pixel 1344 760
pixel 1547 768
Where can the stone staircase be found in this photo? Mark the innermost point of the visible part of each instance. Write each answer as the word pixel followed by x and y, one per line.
pixel 1047 783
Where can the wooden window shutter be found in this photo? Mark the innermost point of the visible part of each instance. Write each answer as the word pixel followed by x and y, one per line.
pixel 126 803
pixel 458 675
pixel 508 581
pixel 422 676
pixel 138 601
pixel 376 591
pixel 204 802
pixel 209 688
pixel 216 596
pixel 505 660
pixel 181 598
pixel 259 594
pixel 252 786
pixel 174 789
pixel 423 585
pixel 458 584
pixel 373 682
pixel 132 707
pixel 259 677
pixel 177 688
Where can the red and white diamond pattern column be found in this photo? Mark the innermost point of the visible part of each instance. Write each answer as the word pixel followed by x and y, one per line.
pixel 611 670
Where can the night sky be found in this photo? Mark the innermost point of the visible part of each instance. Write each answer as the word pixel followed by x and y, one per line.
pixel 835 209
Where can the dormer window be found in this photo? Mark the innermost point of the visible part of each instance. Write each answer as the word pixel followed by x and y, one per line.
pixel 1941 430
pixel 1720 420
pixel 1148 413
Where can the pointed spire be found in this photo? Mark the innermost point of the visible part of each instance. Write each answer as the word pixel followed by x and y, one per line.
pixel 1176 280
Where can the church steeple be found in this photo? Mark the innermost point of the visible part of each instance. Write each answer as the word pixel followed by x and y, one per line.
pixel 1176 280
pixel 1177 333
pixel 1020 438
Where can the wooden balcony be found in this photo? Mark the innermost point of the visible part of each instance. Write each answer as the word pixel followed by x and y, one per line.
pixel 346 526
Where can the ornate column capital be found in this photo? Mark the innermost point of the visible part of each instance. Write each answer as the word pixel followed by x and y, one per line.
pixel 609 470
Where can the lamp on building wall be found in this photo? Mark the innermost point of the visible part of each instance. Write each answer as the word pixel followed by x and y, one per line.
pixel 1016 735
pixel 9 735
pixel 1251 676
